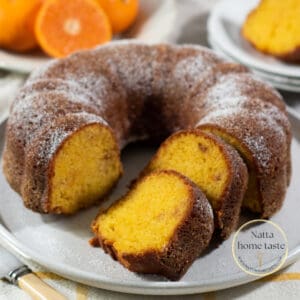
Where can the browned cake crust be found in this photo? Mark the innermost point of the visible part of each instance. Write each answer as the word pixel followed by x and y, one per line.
pixel 291 57
pixel 227 216
pixel 142 91
pixel 191 237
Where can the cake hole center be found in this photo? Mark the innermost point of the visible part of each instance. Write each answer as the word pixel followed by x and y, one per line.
pixel 72 26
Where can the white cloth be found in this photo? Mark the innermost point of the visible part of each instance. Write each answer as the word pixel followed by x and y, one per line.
pixel 9 85
pixel 284 285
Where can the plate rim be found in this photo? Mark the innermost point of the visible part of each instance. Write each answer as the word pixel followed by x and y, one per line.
pixel 9 241
pixel 290 87
pixel 215 29
pixel 216 45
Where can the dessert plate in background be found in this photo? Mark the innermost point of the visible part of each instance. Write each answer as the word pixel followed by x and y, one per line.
pixel 60 243
pixel 281 82
pixel 224 30
pixel 155 23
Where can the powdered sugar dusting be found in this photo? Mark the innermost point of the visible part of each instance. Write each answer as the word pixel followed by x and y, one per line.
pixel 83 84
pixel 260 146
pixel 225 95
pixel 265 125
pixel 230 105
pixel 189 70
pixel 134 66
pixel 71 87
pixel 191 67
pixel 228 97
pixel 58 135
pixel 88 118
pixel 59 132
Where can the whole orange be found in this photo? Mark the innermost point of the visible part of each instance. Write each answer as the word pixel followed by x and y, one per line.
pixel 121 13
pixel 17 20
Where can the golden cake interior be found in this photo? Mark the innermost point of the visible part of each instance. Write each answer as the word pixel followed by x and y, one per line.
pixel 274 26
pixel 198 157
pixel 251 199
pixel 84 169
pixel 147 217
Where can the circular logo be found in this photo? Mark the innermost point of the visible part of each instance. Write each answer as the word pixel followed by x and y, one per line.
pixel 260 247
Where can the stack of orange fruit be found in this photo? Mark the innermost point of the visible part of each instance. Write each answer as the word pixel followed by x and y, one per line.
pixel 61 27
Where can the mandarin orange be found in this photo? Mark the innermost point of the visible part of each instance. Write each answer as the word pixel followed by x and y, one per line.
pixel 121 13
pixel 17 20
pixel 63 27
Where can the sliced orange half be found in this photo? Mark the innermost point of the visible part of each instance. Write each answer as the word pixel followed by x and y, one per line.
pixel 63 27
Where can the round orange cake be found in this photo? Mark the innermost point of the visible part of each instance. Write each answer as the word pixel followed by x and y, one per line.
pixel 73 116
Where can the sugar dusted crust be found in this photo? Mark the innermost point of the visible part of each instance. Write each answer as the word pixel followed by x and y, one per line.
pixel 152 91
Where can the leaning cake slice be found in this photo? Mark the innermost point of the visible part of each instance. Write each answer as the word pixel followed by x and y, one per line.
pixel 159 227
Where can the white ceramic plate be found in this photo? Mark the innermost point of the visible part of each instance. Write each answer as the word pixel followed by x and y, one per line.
pixel 224 26
pixel 60 244
pixel 155 23
pixel 280 82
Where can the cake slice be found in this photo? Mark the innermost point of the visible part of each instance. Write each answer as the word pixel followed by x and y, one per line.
pixel 159 227
pixel 215 167
pixel 273 28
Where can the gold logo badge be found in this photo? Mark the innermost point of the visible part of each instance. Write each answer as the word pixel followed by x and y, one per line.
pixel 260 247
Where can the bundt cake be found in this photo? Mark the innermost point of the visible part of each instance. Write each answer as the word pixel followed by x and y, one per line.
pixel 215 167
pixel 273 28
pixel 165 238
pixel 72 117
